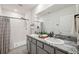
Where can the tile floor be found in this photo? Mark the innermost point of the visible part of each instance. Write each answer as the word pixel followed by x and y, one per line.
pixel 19 50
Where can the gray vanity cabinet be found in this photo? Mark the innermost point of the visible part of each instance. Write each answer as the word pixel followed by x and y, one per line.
pixel 33 48
pixel 40 48
pixel 49 49
pixel 28 45
pixel 40 44
pixel 41 51
pixel 58 51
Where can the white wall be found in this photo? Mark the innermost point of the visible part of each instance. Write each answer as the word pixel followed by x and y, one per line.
pixel 64 18
pixel 28 16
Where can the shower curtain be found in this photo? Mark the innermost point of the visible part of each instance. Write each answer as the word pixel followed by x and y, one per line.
pixel 4 35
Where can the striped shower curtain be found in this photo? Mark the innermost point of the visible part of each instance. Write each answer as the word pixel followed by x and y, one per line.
pixel 4 35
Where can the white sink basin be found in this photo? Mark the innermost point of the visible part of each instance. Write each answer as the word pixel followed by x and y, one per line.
pixel 55 41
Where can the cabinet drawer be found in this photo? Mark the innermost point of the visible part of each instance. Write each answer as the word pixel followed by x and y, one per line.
pixel 40 44
pixel 49 49
pixel 34 41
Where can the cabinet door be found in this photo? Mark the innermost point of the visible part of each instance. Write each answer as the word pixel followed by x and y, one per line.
pixel 41 51
pixel 59 52
pixel 28 46
pixel 33 48
pixel 39 44
pixel 49 49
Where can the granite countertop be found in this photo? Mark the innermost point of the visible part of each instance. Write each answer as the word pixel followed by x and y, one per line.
pixel 68 46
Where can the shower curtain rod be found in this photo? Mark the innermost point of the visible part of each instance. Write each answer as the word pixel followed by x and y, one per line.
pixel 15 17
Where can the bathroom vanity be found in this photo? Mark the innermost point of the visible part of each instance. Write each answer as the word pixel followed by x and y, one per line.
pixel 36 45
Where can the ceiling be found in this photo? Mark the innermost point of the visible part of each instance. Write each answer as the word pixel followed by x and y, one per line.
pixel 18 7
